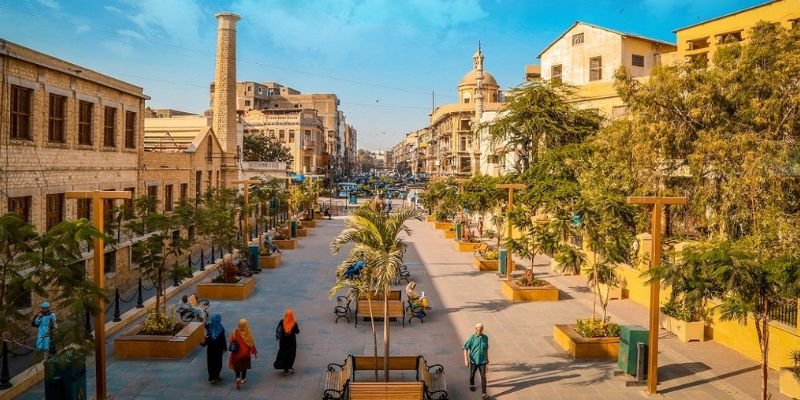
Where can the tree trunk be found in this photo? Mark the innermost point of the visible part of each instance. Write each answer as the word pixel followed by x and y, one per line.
pixel 158 292
pixel 762 329
pixel 374 335
pixel 386 334
pixel 596 286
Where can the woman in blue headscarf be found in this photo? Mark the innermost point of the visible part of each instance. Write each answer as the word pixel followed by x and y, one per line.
pixel 45 322
pixel 217 346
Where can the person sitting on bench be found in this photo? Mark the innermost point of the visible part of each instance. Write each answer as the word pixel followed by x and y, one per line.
pixel 187 307
pixel 415 297
pixel 271 246
pixel 242 266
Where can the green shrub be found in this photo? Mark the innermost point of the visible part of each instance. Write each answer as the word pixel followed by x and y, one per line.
pixel 490 254
pixel 160 324
pixel 528 280
pixel 595 328
pixel 683 312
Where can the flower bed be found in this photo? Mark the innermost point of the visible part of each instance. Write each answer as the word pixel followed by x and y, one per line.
pixel 270 261
pixel 302 232
pixel 580 347
pixel 226 291
pixel 285 244
pixel 133 344
pixel 466 247
pixel 449 234
pixel 514 292
pixel 482 264
pixel 444 225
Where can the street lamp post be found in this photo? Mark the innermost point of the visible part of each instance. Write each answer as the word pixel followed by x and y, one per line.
pixel 655 285
pixel 98 198
pixel 511 187
pixel 246 212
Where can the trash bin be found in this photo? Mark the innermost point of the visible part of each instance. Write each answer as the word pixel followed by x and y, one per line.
pixel 629 337
pixel 253 250
pixel 353 199
pixel 458 231
pixel 293 229
pixel 65 378
pixel 502 258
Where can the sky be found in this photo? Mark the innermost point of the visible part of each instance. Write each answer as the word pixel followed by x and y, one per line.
pixel 382 58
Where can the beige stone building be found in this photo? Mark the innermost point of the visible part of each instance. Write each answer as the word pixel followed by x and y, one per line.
pixel 407 157
pixel 300 130
pixel 65 128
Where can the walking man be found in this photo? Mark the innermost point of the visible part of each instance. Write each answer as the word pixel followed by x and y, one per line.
pixel 476 357
pixel 45 323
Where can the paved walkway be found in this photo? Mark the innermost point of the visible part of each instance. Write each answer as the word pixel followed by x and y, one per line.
pixel 526 362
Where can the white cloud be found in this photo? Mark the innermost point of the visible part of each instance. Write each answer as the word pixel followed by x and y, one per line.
pixel 82 28
pixel 119 48
pixel 113 9
pixel 175 21
pixel 52 4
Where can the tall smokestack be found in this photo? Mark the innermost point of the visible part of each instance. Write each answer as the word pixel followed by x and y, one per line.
pixel 224 112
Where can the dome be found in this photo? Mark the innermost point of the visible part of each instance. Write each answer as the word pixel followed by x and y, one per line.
pixel 469 79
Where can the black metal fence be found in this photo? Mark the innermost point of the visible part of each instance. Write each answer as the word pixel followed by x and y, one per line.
pixel 785 312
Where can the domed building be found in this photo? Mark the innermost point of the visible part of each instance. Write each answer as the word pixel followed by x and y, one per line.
pixel 451 148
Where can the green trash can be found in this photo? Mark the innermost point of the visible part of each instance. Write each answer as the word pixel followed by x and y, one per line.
pixel 502 257
pixel 458 231
pixel 293 228
pixel 253 251
pixel 65 378
pixel 629 337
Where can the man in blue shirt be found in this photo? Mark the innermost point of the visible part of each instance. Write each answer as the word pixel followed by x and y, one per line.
pixel 476 357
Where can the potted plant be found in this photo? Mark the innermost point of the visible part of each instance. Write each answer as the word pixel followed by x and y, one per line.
pixel 468 242
pixel 227 285
pixel 684 320
pixel 268 259
pixel 485 260
pixel 789 377
pixel 159 335
pixel 450 232
pixel 283 241
pixel 588 338
pixel 529 288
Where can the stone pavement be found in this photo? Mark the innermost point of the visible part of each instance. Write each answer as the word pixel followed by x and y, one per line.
pixel 525 361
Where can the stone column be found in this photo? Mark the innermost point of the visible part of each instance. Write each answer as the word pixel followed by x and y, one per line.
pixel 224 112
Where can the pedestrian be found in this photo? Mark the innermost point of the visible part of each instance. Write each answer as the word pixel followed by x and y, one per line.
pixel 215 341
pixel 480 226
pixel 242 347
pixel 45 322
pixel 476 357
pixel 286 334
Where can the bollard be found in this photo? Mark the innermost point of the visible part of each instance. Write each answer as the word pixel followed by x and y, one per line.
pixel 202 261
pixel 116 306
pixel 175 275
pixel 213 259
pixel 139 298
pixel 88 327
pixel 5 375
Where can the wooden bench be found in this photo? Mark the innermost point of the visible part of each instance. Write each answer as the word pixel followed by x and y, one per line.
pixel 432 376
pixel 396 308
pixel 386 390
pixel 342 309
pixel 396 363
pixel 337 380
pixel 416 311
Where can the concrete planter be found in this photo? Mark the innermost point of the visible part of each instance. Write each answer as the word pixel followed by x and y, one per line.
pixel 449 234
pixel 319 216
pixel 788 383
pixel 269 262
pixel 310 224
pixel 287 244
pixel 302 232
pixel 686 331
pixel 614 293
pixel 429 218
pixel 580 347
pixel 482 264
pixel 465 247
pixel 226 291
pixel 514 292
pixel 443 225
pixel 133 345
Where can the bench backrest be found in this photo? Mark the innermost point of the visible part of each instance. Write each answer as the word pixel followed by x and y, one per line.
pixel 386 390
pixel 396 363
pixel 393 295
pixel 423 373
pixel 347 371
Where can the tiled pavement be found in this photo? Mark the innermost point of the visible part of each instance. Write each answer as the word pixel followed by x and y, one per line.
pixel 526 362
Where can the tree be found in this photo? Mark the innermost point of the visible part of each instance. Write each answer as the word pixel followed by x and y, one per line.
pixel 377 241
pixel 16 252
pixel 726 135
pixel 259 147
pixel 216 219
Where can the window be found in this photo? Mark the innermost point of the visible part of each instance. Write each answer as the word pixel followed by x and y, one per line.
pixel 152 192
pixel 272 133
pixel 108 211
pixel 637 60
pixel 130 130
pixel 110 262
pixel 21 112
pixel 694 44
pixel 208 181
pixel 464 125
pixel 85 109
pixel 167 197
pixel 109 126
pixel 729 37
pixel 218 179
pixel 128 203
pixel 209 150
pixel 555 73
pixel 176 235
pixel 577 39
pixel 21 206
pixel 595 68
pixel 291 136
pixel 55 210
pixel 619 112
pixel 466 100
pixel 85 208
pixel 198 185
pixel 462 146
pixel 184 191
pixel 55 124
pixel 247 102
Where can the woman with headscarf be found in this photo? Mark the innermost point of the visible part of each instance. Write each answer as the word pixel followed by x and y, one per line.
pixel 215 341
pixel 286 334
pixel 245 347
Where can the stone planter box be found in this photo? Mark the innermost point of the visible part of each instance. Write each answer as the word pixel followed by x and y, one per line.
pixel 319 216
pixel 465 247
pixel 514 292
pixel 302 232
pixel 226 291
pixel 269 262
pixel 443 225
pixel 482 264
pixel 310 224
pixel 614 293
pixel 580 347
pixel 449 234
pixel 133 345
pixel 788 383
pixel 287 244
pixel 686 331
pixel 429 218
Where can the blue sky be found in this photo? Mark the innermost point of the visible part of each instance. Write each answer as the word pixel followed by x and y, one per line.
pixel 381 57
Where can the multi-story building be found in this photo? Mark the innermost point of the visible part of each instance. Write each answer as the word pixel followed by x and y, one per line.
pixel 701 39
pixel 350 162
pixel 451 149
pixel 66 128
pixel 407 156
pixel 587 57
pixel 300 130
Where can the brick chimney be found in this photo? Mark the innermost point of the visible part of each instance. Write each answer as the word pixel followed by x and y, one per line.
pixel 224 107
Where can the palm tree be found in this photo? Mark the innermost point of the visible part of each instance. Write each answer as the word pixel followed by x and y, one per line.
pixel 375 236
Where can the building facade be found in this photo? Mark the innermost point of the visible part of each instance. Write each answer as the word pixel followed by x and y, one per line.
pixel 300 130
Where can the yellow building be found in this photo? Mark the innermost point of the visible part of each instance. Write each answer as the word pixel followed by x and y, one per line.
pixel 587 57
pixel 451 150
pixel 702 39
pixel 301 130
